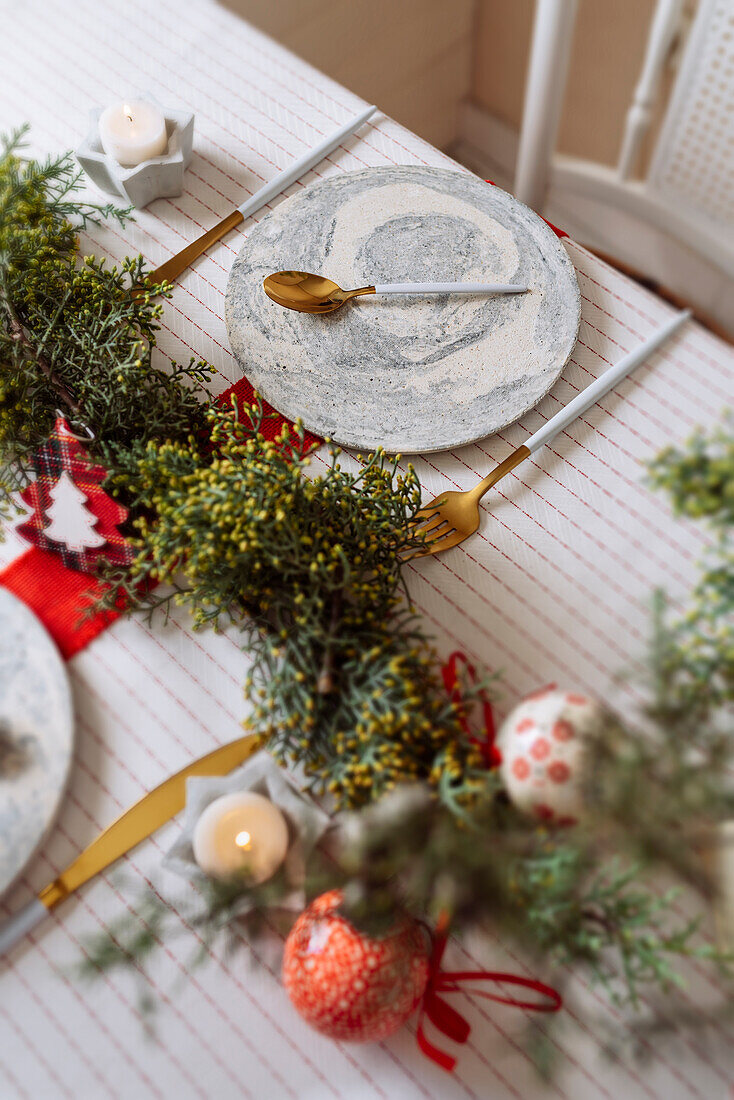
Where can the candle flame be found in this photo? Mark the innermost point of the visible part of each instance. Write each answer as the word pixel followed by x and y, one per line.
pixel 242 840
pixel 128 111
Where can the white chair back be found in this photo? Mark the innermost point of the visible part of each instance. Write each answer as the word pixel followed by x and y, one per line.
pixel 677 224
pixel 693 164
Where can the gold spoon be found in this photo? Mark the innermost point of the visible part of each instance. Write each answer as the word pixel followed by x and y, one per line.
pixel 314 294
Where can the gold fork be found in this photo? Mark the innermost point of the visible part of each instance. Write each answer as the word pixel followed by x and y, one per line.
pixel 453 516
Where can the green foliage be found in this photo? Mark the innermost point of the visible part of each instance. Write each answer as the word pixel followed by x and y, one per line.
pixel 132 943
pixel 279 562
pixel 699 478
pixel 667 771
pixel 556 890
pixel 211 911
pixel 343 680
pixel 72 335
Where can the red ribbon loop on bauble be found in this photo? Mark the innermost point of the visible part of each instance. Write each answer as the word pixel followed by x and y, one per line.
pixel 450 1022
pixel 486 743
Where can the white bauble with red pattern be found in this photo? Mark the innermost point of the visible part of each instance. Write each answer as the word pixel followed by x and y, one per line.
pixel 349 985
pixel 544 745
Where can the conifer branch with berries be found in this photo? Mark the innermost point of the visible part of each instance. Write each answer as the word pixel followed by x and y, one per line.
pixel 309 565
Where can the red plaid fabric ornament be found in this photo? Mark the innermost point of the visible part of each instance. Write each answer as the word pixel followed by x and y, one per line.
pixel 72 515
pixel 349 985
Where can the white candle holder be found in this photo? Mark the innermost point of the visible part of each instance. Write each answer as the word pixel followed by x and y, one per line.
pixel 306 823
pixel 158 178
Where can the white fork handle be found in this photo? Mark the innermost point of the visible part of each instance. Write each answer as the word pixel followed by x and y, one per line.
pixel 605 382
pixel 450 288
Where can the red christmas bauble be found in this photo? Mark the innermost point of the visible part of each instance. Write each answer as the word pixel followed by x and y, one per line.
pixel 348 985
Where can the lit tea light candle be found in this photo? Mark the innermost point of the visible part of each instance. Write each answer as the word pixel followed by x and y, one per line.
pixel 241 832
pixel 133 132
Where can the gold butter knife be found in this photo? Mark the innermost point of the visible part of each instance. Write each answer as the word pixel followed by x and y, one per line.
pixel 153 810
pixel 171 269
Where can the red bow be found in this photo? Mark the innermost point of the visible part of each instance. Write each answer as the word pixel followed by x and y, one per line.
pixel 486 744
pixel 450 1022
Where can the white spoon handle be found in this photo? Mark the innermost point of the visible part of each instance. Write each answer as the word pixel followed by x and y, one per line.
pixel 605 382
pixel 449 288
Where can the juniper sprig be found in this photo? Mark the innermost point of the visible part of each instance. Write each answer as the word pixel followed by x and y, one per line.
pixel 309 566
pixel 579 896
pixel 699 478
pixel 72 334
pixel 343 678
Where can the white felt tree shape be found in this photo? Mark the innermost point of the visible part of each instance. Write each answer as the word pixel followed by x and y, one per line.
pixel 72 524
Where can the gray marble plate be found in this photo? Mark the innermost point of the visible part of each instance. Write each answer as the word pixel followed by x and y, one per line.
pixel 36 734
pixel 410 374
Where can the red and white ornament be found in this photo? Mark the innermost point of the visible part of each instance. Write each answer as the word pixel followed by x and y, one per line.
pixel 348 985
pixel 544 743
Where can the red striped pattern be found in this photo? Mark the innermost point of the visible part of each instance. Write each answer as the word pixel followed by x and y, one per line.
pixel 555 586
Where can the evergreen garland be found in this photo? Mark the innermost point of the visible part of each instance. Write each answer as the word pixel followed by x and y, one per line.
pixel 344 680
pixel 73 335
pixel 699 478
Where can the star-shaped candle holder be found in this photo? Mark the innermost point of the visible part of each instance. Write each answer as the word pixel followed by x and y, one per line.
pixel 307 823
pixel 159 177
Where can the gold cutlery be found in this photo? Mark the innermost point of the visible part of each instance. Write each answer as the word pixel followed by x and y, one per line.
pixel 314 294
pixel 148 814
pixel 453 516
pixel 171 269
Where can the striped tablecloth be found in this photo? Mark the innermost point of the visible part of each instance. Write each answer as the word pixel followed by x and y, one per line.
pixel 555 586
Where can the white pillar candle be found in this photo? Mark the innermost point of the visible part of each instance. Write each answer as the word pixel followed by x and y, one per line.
pixel 132 132
pixel 241 832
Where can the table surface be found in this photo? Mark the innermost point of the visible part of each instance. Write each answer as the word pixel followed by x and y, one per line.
pixel 555 587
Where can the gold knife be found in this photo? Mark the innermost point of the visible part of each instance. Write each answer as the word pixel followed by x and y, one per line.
pixel 171 269
pixel 153 810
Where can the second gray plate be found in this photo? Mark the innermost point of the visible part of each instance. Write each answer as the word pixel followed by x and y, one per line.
pixel 36 735
pixel 409 374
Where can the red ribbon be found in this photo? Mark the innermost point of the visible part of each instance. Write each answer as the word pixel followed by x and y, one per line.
pixel 486 743
pixel 450 1022
pixel 434 1006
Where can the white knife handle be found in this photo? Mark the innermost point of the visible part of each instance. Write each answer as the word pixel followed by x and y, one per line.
pixel 604 383
pixel 450 288
pixel 20 924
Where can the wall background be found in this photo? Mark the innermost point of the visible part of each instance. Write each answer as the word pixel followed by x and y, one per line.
pixel 454 72
pixel 411 57
pixel 606 56
pixel 419 59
